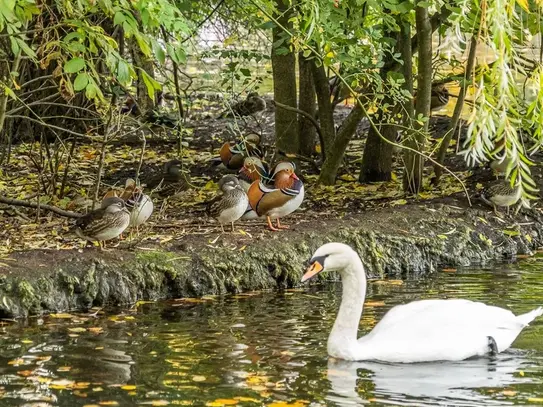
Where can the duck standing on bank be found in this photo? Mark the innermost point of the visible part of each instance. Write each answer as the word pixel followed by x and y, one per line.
pixel 278 202
pixel 138 204
pixel 231 205
pixel 420 331
pixel 105 223
pixel 501 193
pixel 170 181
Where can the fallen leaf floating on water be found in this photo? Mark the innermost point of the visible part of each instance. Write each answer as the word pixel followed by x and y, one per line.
pixel 198 378
pixel 374 304
pixel 509 393
pixel 451 270
pixel 62 316
pixel 128 387
pixel 389 282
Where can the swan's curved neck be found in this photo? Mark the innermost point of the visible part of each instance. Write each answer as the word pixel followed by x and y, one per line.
pixel 343 337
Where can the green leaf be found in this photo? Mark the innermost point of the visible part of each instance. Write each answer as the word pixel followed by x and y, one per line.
pixel 9 92
pixel 81 81
pixel 123 72
pixel 91 90
pixel 150 83
pixel 119 18
pixel 159 52
pixel 74 65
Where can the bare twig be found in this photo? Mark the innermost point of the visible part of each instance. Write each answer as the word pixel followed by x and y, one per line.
pixel 51 208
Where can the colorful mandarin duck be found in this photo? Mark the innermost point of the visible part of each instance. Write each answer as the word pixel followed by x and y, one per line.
pixel 253 170
pixel 231 205
pixel 285 198
pixel 233 154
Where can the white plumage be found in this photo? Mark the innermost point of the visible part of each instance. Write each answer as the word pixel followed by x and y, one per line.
pixel 421 331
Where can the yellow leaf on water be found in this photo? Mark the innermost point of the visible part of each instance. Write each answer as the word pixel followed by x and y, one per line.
pixel 61 316
pixel 389 282
pixel 26 341
pixel 128 387
pixel 198 378
pixel 214 404
pixel 108 403
pixel 227 402
pixel 509 393
pixel 374 303
pixel 535 400
pixel 77 329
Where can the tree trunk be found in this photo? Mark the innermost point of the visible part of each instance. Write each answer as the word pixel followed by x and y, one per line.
pixel 326 110
pixel 335 153
pixel 284 84
pixel 412 181
pixel 377 158
pixel 306 98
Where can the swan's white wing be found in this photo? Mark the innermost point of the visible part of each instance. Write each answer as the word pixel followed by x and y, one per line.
pixel 440 330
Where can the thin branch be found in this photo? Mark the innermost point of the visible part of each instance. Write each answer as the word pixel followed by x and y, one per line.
pixel 201 23
pixel 308 117
pixel 51 208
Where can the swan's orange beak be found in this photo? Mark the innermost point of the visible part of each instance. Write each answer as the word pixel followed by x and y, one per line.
pixel 314 269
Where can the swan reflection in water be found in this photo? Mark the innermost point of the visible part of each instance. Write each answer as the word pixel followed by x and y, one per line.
pixel 432 381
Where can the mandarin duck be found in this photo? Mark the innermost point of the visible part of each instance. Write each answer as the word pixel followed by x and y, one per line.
pixel 439 97
pixel 232 154
pixel 501 194
pixel 248 107
pixel 253 170
pixel 138 204
pixel 170 182
pixel 130 106
pixel 105 223
pixel 231 205
pixel 275 203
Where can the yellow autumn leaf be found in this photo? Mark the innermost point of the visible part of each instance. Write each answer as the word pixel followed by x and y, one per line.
pixel 374 303
pixel 535 400
pixel 77 329
pixel 128 387
pixel 198 378
pixel 61 316
pixel 509 393
pixel 108 403
pixel 227 402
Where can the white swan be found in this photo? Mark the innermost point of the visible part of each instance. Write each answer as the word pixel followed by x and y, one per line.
pixel 421 331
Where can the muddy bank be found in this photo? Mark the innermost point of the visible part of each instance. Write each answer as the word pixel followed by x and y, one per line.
pixel 393 242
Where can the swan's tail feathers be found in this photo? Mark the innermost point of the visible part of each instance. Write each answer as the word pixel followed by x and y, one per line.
pixel 530 316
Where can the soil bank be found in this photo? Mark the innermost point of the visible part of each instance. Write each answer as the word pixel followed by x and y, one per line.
pixel 393 242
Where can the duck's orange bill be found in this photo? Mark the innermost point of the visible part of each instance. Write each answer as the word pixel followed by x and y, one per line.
pixel 314 269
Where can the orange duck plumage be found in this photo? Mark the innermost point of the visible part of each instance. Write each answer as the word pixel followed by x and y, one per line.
pixel 278 202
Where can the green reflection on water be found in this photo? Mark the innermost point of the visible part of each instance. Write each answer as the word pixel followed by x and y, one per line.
pixel 265 349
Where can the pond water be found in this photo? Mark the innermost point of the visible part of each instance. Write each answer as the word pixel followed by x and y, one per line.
pixel 265 349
